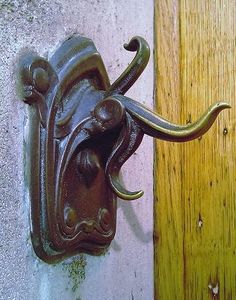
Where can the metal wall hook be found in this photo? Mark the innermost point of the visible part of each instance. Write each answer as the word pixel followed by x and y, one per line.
pixel 81 132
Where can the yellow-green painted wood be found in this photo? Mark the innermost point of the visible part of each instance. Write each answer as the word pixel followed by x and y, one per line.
pixel 195 183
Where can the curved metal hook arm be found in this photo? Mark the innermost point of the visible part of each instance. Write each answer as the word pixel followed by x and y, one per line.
pixel 136 67
pixel 154 125
pixel 150 123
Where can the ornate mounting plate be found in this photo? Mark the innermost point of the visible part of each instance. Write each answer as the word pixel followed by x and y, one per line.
pixel 81 131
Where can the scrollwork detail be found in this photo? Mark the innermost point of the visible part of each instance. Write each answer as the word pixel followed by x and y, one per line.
pixel 37 76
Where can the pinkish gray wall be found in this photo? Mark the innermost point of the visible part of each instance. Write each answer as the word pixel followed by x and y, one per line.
pixel 126 270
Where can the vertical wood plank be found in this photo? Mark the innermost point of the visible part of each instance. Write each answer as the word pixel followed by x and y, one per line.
pixel 168 208
pixel 208 75
pixel 195 203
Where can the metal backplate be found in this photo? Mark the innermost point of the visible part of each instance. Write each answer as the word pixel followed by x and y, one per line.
pixel 72 208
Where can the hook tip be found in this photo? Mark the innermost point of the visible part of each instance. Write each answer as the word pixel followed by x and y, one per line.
pixel 223 105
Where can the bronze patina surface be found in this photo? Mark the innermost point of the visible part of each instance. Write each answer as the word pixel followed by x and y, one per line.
pixel 81 132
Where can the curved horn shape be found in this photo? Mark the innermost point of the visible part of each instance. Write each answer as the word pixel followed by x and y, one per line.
pixel 130 138
pixel 154 125
pixel 136 67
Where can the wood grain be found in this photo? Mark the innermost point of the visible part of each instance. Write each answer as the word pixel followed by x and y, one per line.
pixel 195 211
pixel 168 209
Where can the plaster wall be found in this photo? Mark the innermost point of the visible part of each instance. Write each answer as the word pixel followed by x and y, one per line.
pixel 126 270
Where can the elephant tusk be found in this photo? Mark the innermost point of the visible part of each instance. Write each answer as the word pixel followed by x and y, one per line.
pixel 129 140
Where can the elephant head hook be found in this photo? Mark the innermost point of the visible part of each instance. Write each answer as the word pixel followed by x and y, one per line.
pixel 81 131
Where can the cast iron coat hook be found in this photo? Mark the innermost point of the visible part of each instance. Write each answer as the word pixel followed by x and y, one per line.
pixel 81 132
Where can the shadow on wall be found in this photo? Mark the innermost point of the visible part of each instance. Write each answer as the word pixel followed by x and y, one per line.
pixel 134 223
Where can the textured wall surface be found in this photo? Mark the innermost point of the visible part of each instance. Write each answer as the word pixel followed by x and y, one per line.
pixel 126 270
